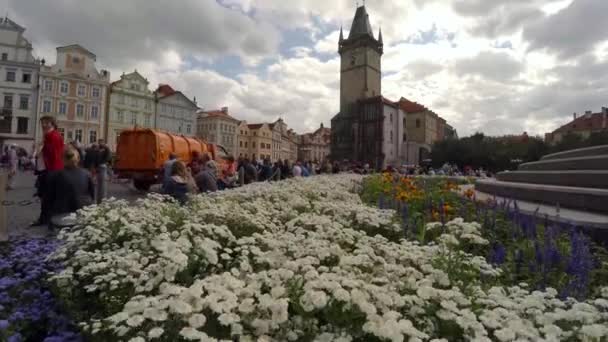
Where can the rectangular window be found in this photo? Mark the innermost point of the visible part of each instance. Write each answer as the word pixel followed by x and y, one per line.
pixel 48 85
pixel 134 102
pixel 148 105
pixel 22 124
pixel 62 132
pixel 82 90
pixel 134 118
pixel 253 144
pixel 164 108
pixel 78 135
pixel 245 144
pixel 63 108
pixel 46 106
pixel 94 112
pixel 80 110
pixel 121 99
pixel 120 116
pixel 240 144
pixel 147 121
pixel 26 78
pixel 96 92
pixel 92 137
pixel 70 135
pixel 5 56
pixel 188 129
pixel 10 76
pixel 24 102
pixel 64 88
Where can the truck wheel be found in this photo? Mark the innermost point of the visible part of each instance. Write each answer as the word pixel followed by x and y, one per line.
pixel 141 185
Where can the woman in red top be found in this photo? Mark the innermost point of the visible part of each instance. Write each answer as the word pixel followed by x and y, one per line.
pixel 52 155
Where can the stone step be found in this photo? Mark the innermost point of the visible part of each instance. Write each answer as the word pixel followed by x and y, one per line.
pixel 581 152
pixel 579 163
pixel 595 200
pixel 579 178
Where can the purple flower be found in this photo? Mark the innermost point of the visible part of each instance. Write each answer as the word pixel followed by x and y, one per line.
pixel 3 324
pixel 15 338
pixel 498 254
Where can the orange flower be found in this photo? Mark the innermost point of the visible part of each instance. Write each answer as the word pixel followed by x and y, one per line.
pixel 435 215
pixel 447 208
pixel 469 193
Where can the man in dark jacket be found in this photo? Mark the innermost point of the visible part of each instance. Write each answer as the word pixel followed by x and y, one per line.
pixel 266 171
pixel 91 156
pixel 251 174
pixel 71 188
pixel 206 179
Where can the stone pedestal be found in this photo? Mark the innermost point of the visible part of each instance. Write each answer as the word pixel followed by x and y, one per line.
pixel 576 179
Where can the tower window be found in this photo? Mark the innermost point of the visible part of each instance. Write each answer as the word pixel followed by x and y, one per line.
pixel 417 123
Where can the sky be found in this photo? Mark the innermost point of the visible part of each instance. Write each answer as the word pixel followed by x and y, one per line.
pixel 492 66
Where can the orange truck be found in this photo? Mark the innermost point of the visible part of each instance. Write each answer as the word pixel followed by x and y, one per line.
pixel 141 153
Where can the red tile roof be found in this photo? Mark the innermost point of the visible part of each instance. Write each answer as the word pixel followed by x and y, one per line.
pixel 585 122
pixel 411 107
pixel 218 113
pixel 255 126
pixel 165 90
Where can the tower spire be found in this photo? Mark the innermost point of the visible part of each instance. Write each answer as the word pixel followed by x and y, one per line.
pixel 341 34
pixel 380 37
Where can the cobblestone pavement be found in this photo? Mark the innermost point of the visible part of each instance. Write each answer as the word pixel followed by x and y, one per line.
pixel 21 215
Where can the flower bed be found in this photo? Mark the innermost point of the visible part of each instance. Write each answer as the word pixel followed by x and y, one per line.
pixel 529 250
pixel 301 260
pixel 28 311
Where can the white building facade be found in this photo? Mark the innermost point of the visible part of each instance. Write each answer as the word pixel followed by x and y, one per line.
pixel 131 105
pixel 218 127
pixel 394 142
pixel 175 112
pixel 18 86
pixel 75 93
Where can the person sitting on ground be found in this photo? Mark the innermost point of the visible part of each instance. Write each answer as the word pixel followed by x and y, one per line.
pixel 72 188
pixel 250 172
pixel 196 164
pixel 178 186
pixel 168 169
pixel 229 174
pixel 206 179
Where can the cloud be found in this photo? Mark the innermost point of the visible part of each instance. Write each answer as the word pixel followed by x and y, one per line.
pixel 572 31
pixel 135 30
pixel 500 66
pixel 496 66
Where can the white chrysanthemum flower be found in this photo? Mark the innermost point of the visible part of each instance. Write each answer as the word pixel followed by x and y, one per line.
pixel 156 332
pixel 197 320
pixel 135 321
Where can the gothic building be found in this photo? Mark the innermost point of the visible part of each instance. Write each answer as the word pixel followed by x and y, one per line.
pixel 357 130
pixel 369 128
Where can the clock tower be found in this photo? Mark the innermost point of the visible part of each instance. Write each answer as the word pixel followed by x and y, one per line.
pixel 360 68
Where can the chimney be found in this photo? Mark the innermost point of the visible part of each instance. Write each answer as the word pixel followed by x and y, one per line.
pixel 321 125
pixel 587 114
pixel 574 116
pixel 605 110
pixel 225 110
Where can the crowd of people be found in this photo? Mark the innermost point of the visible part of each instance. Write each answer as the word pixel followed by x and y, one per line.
pixel 65 173
pixel 203 174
